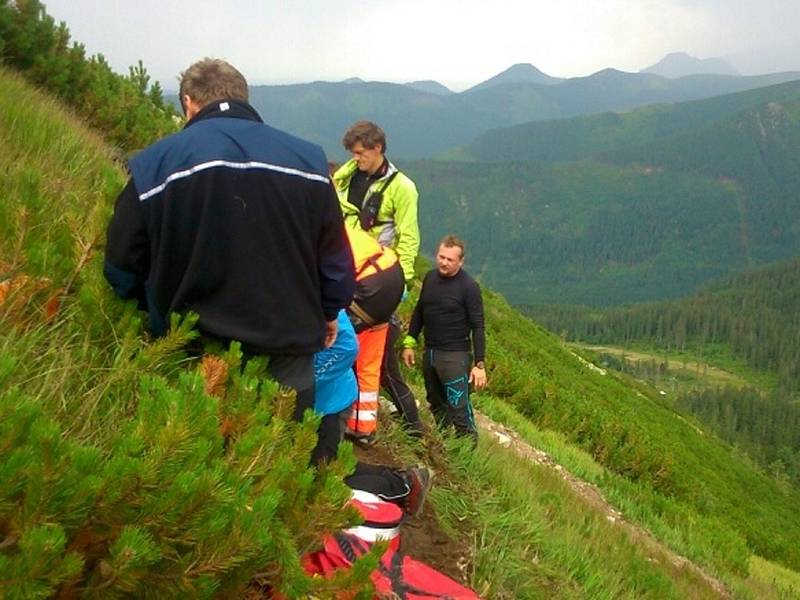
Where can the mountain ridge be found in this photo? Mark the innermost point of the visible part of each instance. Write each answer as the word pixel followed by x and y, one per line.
pixel 431 86
pixel 421 124
pixel 681 64
pixel 625 207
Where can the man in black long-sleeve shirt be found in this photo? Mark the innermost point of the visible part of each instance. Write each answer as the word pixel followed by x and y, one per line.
pixel 450 310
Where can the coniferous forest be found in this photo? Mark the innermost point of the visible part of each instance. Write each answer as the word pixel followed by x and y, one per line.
pixel 755 315
pixel 753 318
pixel 618 208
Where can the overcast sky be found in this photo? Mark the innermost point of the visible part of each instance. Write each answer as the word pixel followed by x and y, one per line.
pixel 456 42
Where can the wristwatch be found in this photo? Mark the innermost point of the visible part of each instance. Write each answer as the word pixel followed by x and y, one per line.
pixel 480 364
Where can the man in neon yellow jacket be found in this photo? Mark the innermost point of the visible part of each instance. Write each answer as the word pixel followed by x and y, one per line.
pixel 379 199
pixel 376 196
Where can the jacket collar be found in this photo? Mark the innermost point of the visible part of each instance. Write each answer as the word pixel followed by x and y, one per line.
pixel 225 108
pixel 343 174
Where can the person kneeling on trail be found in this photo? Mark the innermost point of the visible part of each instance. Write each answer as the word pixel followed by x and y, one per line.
pixel 450 308
pixel 379 289
pixel 336 389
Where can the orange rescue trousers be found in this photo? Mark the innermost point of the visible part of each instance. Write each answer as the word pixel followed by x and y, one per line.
pixel 363 422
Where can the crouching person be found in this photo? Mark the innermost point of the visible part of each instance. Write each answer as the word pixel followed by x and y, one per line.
pixel 379 289
pixel 336 390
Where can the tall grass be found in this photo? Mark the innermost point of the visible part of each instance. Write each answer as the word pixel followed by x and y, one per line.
pixel 532 536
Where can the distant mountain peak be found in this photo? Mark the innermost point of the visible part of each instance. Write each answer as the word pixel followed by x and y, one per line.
pixel 430 86
pixel 523 69
pixel 518 73
pixel 609 72
pixel 353 80
pixel 681 64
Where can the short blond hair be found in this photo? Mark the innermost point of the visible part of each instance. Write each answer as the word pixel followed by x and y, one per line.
pixel 212 79
pixel 451 241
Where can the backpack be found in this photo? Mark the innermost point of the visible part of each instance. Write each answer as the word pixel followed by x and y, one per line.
pixel 368 215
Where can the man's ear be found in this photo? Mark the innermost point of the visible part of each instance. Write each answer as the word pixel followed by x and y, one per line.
pixel 190 107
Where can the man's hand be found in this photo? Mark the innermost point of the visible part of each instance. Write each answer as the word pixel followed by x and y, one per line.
pixel 331 329
pixel 477 377
pixel 409 357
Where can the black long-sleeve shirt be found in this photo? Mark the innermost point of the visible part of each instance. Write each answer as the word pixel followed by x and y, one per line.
pixel 449 308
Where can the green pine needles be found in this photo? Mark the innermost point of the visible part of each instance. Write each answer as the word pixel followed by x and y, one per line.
pixel 128 467
pixel 171 505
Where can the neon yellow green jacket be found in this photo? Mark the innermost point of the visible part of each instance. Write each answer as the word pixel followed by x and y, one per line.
pixel 397 226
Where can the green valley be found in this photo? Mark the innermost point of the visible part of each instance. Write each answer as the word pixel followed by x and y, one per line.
pixel 749 322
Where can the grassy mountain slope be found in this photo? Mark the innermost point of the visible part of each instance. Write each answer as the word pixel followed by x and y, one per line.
pixel 81 368
pixel 421 124
pixel 659 467
pixel 640 222
pixel 119 433
pixel 636 434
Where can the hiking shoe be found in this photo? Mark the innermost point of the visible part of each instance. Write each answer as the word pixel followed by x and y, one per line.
pixel 367 440
pixel 387 405
pixel 364 440
pixel 419 482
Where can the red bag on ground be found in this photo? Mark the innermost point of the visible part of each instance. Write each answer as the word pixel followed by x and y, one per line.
pixel 398 574
pixel 410 579
pixel 381 522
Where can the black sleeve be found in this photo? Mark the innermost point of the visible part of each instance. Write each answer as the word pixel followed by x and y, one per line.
pixel 336 269
pixel 475 317
pixel 417 321
pixel 415 326
pixel 127 255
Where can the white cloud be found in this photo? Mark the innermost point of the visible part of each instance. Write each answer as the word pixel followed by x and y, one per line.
pixel 456 42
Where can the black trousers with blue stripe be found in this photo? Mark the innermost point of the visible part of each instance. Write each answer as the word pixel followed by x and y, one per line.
pixel 446 375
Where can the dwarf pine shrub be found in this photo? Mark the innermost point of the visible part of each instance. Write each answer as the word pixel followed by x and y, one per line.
pixel 128 467
pixel 168 505
pixel 129 109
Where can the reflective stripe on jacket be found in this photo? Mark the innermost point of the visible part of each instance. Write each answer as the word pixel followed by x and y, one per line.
pixel 368 254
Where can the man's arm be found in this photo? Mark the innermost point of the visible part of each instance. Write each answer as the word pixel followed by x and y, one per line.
pixel 407 225
pixel 417 322
pixel 414 329
pixel 127 253
pixel 475 317
pixel 336 271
